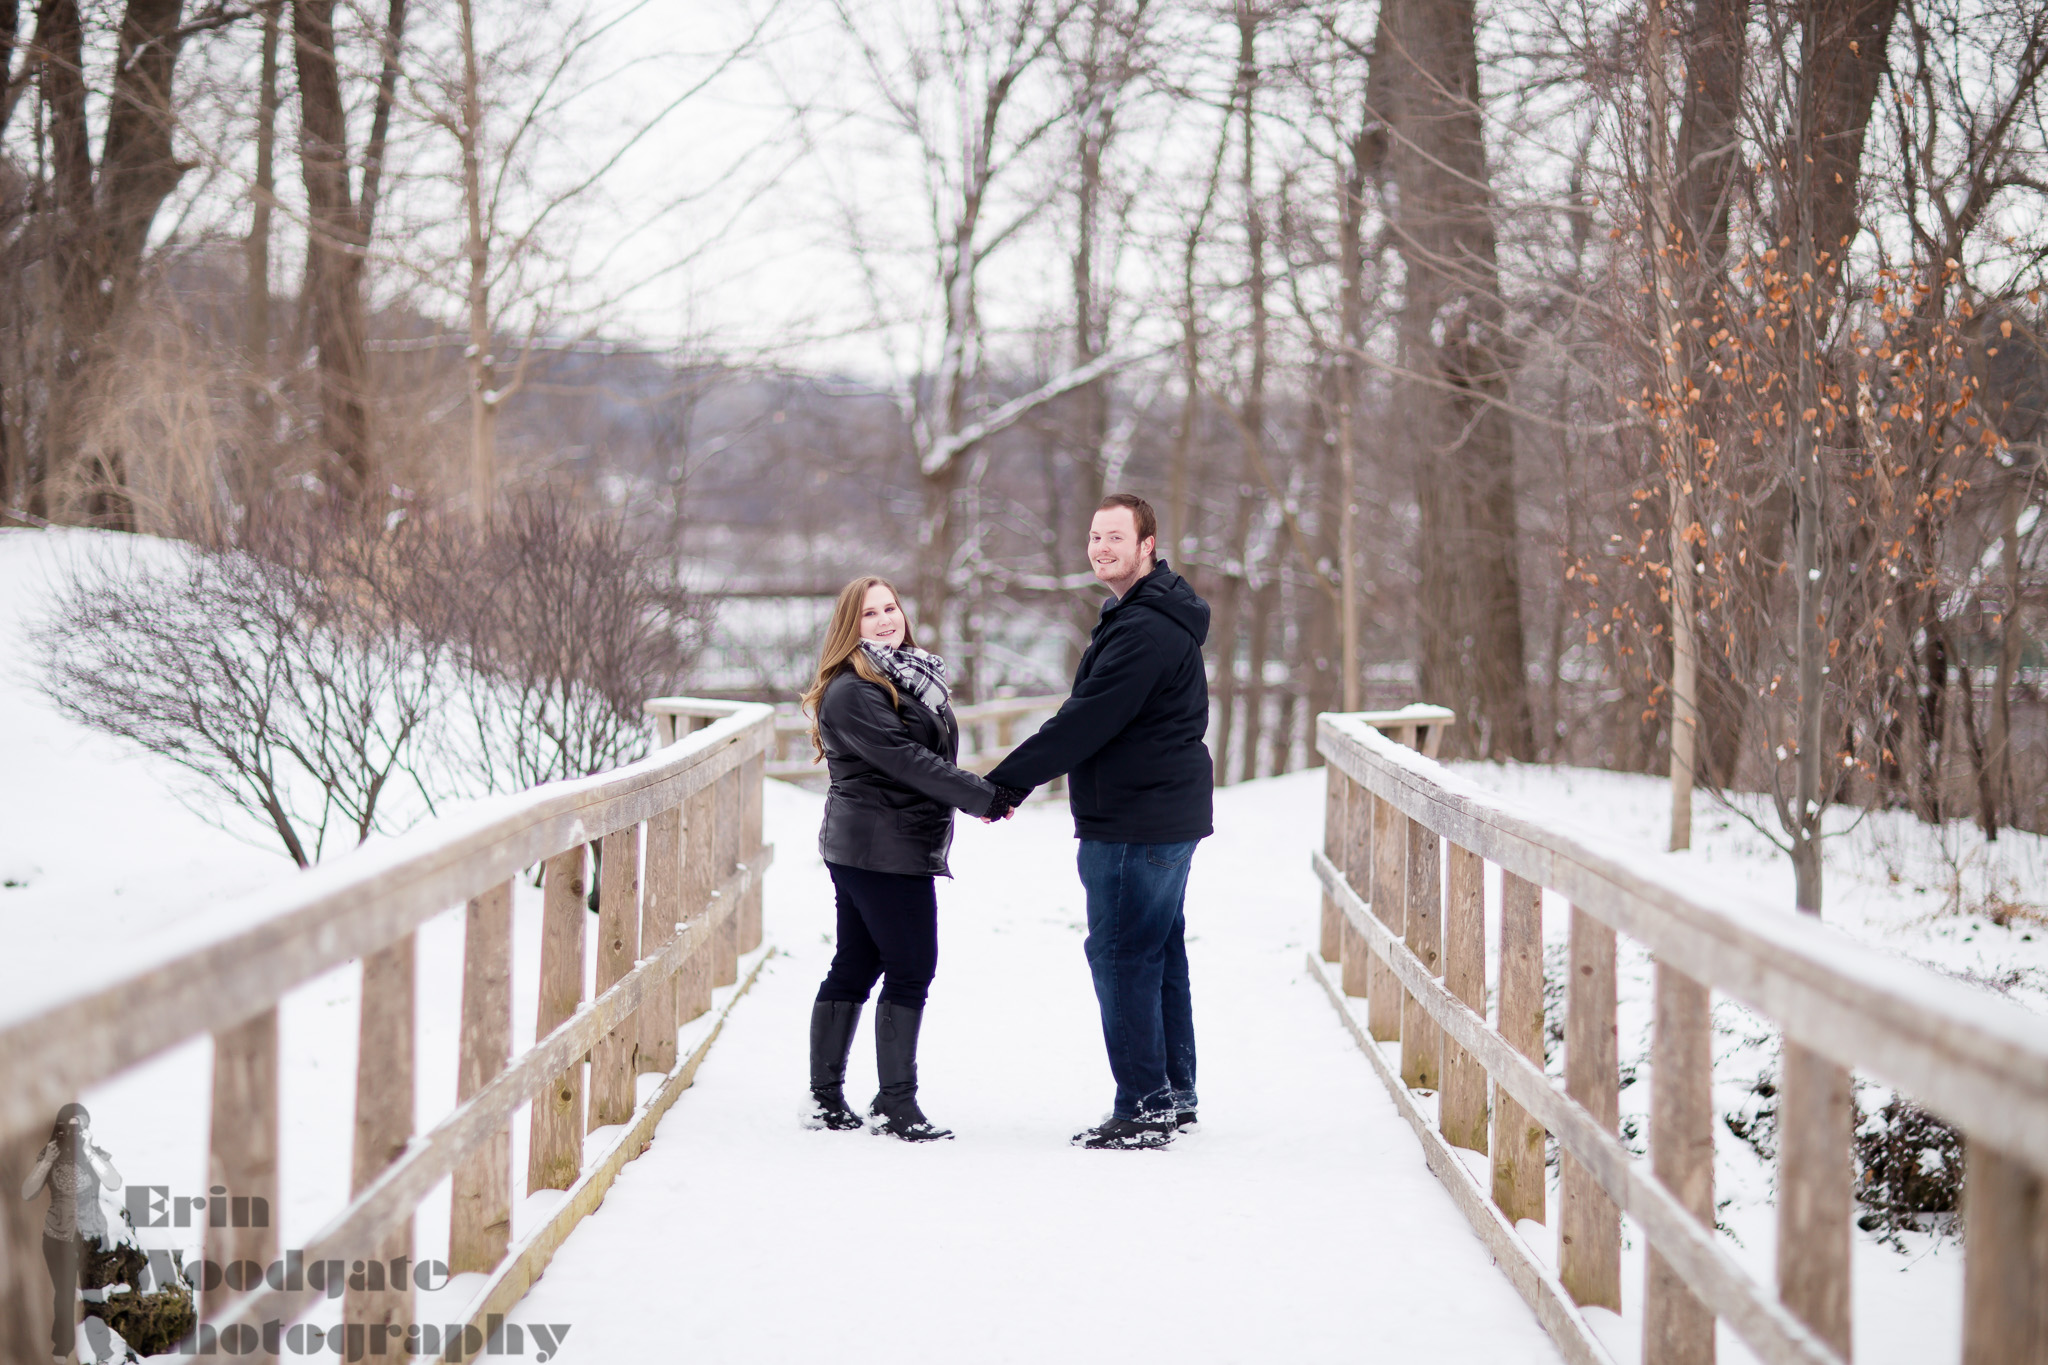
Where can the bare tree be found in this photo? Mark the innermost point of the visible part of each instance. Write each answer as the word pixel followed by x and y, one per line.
pixel 1455 360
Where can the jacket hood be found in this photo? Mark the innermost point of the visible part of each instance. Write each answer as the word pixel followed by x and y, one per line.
pixel 1167 593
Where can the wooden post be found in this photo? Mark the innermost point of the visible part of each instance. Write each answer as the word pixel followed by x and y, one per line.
pixel 724 914
pixel 242 1148
pixel 554 1154
pixel 1355 858
pixel 1389 899
pixel 1518 1140
pixel 1677 1328
pixel 1422 1042
pixel 1815 1192
pixel 1589 1225
pixel 384 1123
pixel 24 1277
pixel 613 1063
pixel 1461 1113
pixel 700 876
pixel 480 1207
pixel 749 852
pixel 1336 812
pixel 660 911
pixel 2005 1261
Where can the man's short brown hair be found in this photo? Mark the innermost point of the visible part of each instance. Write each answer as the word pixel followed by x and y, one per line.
pixel 1140 510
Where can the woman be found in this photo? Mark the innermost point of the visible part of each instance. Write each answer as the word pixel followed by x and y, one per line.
pixel 75 1171
pixel 881 722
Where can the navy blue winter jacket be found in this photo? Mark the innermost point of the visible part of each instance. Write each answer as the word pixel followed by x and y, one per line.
pixel 1130 737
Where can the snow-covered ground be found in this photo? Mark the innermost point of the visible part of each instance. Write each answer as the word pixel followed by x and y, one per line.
pixel 1300 1224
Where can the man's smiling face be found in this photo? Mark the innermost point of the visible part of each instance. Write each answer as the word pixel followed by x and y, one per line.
pixel 1115 552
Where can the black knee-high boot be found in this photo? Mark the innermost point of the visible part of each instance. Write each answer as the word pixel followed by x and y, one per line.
pixel 832 1026
pixel 896 1065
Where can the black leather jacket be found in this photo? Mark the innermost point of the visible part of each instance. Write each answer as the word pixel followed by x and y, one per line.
pixel 894 784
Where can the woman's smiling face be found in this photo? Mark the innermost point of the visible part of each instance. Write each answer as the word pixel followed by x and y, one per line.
pixel 881 617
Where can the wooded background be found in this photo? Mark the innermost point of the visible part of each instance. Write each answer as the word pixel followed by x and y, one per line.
pixel 1439 335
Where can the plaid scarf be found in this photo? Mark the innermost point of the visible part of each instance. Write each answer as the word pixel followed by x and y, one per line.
pixel 917 672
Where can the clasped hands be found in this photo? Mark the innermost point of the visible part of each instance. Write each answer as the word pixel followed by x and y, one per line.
pixel 1007 801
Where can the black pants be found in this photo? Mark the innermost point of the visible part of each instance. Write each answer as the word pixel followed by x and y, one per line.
pixel 63 1260
pixel 888 930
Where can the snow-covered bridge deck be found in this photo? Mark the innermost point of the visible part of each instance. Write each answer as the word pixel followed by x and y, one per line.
pixel 1299 1223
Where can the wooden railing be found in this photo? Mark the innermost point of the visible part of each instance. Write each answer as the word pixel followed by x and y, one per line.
pixel 988 731
pixel 693 807
pixel 1403 872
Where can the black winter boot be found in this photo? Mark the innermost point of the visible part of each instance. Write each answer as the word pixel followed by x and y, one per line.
pixel 896 1065
pixel 832 1026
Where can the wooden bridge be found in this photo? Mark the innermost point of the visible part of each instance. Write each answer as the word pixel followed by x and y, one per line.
pixel 1348 1247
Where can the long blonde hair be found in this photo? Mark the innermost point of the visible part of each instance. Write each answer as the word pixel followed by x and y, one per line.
pixel 842 650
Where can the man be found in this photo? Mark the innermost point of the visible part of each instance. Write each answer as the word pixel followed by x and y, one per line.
pixel 1130 739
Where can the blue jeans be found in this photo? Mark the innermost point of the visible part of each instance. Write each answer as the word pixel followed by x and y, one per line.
pixel 1139 960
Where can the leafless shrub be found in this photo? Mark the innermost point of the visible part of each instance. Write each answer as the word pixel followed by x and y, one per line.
pixel 568 628
pixel 288 672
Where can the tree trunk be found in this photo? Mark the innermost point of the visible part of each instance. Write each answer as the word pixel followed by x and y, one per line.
pixel 483 398
pixel 2004 795
pixel 1263 614
pixel 1709 131
pixel 1252 416
pixel 262 196
pixel 335 248
pixel 1424 82
pixel 104 219
pixel 1667 289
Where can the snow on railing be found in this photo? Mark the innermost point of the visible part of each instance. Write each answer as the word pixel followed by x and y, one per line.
pixel 662 948
pixel 1403 869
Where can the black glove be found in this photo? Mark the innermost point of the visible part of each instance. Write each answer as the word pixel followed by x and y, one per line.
pixel 1007 800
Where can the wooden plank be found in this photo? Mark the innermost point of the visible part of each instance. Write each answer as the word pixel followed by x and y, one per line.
pixel 1765 1325
pixel 2005 1261
pixel 389 1200
pixel 383 1130
pixel 1422 1045
pixel 700 880
pixel 660 912
pixel 1981 1063
pixel 503 1291
pixel 1389 906
pixel 1539 1288
pixel 241 1161
pixel 1337 789
pixel 614 1061
pixel 358 903
pixel 1519 1179
pixel 725 929
pixel 1461 1112
pixel 749 780
pixel 1353 856
pixel 554 1154
pixel 480 1198
pixel 1677 1328
pixel 1589 1223
pixel 1816 1192
pixel 1356 859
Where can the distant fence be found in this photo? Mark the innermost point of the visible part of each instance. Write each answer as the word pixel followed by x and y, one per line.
pixel 694 806
pixel 988 731
pixel 1403 870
